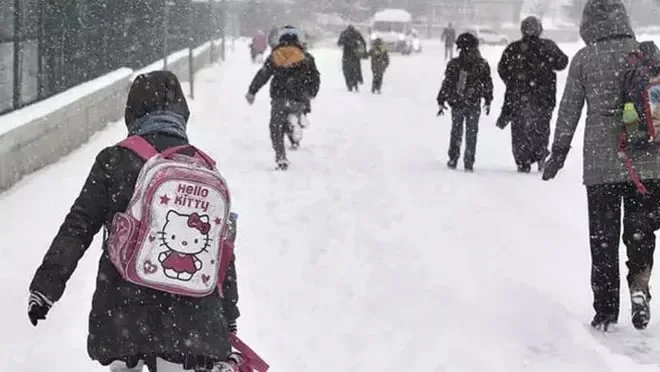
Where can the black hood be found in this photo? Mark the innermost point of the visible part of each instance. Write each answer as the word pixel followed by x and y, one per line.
pixel 156 91
pixel 604 19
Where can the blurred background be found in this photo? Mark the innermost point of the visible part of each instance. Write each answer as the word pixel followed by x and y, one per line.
pixel 49 46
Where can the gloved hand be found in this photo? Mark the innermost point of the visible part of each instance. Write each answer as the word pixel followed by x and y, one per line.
pixel 441 109
pixel 38 307
pixel 487 108
pixel 249 97
pixel 554 163
pixel 502 122
pixel 232 327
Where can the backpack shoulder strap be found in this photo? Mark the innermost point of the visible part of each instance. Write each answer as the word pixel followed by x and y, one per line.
pixel 139 146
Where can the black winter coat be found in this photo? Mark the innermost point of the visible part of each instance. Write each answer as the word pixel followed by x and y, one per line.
pixel 294 73
pixel 527 68
pixel 478 83
pixel 380 59
pixel 128 322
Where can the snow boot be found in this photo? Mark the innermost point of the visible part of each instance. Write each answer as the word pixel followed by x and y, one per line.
pixel 541 165
pixel 603 322
pixel 469 168
pixel 524 168
pixel 451 164
pixel 641 311
pixel 282 164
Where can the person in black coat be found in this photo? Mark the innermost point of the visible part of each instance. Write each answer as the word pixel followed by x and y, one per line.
pixel 296 80
pixel 467 81
pixel 380 60
pixel 527 68
pixel 131 324
pixel 449 38
pixel 354 49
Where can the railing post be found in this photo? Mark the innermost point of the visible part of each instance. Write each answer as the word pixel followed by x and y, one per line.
pixel 17 55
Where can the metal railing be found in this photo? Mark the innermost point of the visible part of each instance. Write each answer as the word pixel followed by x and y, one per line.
pixel 48 46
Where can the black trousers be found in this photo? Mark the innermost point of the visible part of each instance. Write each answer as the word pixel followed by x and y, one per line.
pixel 469 117
pixel 279 123
pixel 377 81
pixel 640 220
pixel 449 50
pixel 530 135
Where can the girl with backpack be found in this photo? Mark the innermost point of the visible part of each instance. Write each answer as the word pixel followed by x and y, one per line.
pixel 467 81
pixel 133 325
pixel 596 76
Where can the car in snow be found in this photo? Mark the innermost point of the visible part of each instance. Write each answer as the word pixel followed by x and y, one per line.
pixel 393 27
pixel 488 36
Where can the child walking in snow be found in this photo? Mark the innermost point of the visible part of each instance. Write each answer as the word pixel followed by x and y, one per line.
pixel 132 325
pixel 380 60
pixel 467 81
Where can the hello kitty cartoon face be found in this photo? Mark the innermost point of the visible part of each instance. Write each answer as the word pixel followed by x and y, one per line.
pixel 185 234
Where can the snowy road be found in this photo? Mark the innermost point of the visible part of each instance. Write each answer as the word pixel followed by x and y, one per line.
pixel 368 255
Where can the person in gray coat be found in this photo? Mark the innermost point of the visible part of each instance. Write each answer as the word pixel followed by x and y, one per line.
pixel 596 76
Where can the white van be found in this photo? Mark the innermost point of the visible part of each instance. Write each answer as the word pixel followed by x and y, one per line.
pixel 392 26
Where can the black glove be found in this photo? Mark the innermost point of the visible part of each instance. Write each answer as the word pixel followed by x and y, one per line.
pixel 487 108
pixel 38 307
pixel 232 327
pixel 554 163
pixel 502 122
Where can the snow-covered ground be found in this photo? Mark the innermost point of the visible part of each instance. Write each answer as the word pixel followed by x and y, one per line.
pixel 368 254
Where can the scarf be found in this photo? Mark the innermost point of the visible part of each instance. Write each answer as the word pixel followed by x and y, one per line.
pixel 161 122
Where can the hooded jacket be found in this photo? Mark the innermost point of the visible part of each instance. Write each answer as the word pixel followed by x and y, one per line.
pixel 294 73
pixel 528 67
pixel 596 77
pixel 129 322
pixel 478 83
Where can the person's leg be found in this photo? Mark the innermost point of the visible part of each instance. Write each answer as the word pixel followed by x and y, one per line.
pixel 604 203
pixel 471 131
pixel 456 136
pixel 278 125
pixel 639 238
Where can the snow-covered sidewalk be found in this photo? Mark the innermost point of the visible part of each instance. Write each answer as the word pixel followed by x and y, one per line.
pixel 368 254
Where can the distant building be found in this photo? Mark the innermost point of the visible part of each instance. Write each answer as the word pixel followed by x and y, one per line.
pixel 482 12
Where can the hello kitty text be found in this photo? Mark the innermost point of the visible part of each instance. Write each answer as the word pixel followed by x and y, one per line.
pixel 190 196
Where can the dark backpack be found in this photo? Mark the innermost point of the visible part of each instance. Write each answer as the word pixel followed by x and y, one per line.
pixel 641 96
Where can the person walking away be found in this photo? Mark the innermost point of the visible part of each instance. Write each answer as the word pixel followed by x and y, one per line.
pixel 449 38
pixel 354 49
pixel 467 81
pixel 528 68
pixel 596 76
pixel 131 324
pixel 258 46
pixel 380 60
pixel 296 80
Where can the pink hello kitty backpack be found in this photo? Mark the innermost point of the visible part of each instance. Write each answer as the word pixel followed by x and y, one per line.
pixel 173 236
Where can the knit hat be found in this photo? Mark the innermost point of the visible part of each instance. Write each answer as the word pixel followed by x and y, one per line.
pixel 467 40
pixel 289 34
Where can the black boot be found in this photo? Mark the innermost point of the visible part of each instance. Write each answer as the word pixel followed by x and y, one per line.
pixel 603 322
pixel 451 164
pixel 641 311
pixel 524 168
